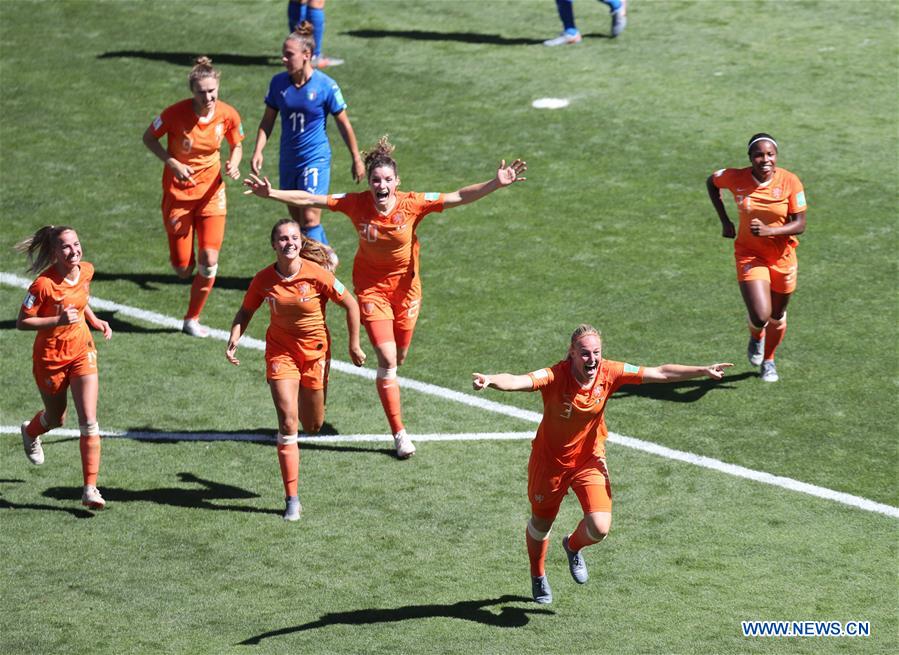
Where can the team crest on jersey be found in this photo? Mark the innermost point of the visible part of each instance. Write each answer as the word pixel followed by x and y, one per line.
pixel 310 95
pixel 398 218
pixel 777 193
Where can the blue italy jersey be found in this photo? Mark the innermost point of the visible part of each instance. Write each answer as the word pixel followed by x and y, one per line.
pixel 304 113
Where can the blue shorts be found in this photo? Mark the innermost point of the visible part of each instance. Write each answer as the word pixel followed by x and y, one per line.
pixel 312 176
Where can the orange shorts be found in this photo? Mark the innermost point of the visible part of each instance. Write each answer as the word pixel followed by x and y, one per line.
pixel 548 485
pixel 310 365
pixel 54 377
pixel 394 299
pixel 181 218
pixel 781 275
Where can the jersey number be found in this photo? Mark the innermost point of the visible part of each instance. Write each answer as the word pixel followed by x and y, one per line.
pixel 294 116
pixel 310 173
pixel 368 232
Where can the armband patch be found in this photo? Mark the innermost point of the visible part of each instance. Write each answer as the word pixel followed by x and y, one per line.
pixel 800 198
pixel 630 368
pixel 28 303
pixel 338 97
pixel 541 374
pixel 719 172
pixel 157 122
pixel 432 196
pixel 338 196
pixel 338 287
pixel 240 129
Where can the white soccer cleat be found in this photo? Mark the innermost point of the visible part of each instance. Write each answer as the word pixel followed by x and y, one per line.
pixel 755 350
pixel 564 39
pixel 33 449
pixel 769 371
pixel 404 446
pixel 192 327
pixel 324 62
pixel 91 497
pixel 619 19
pixel 292 508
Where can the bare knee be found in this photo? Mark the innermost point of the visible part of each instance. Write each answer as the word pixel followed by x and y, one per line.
pixel 313 426
pixel 289 426
pixel 598 526
pixel 183 272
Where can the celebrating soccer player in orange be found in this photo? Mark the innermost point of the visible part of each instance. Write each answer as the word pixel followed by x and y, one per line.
pixel 385 270
pixel 569 449
pixel 64 354
pixel 771 205
pixel 297 342
pixel 193 191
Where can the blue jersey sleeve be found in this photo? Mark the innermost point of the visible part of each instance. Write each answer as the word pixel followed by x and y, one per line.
pixel 335 102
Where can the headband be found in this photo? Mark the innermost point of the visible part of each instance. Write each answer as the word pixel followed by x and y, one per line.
pixel 762 138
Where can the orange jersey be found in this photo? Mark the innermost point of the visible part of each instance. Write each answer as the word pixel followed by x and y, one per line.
pixel 771 202
pixel 388 245
pixel 48 295
pixel 573 428
pixel 297 305
pixel 195 141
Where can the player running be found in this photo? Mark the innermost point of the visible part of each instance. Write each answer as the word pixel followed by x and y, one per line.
pixel 297 342
pixel 56 306
pixel 305 97
pixel 193 192
pixel 771 205
pixel 386 272
pixel 569 451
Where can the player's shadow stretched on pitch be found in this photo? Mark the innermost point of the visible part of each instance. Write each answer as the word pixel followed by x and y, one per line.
pixel 430 35
pixel 467 610
pixel 688 391
pixel 187 58
pixel 191 498
pixel 149 281
pixel 74 511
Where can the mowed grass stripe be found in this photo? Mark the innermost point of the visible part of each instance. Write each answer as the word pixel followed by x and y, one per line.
pixel 449 394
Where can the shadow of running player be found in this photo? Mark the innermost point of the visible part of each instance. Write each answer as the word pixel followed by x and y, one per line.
pixel 176 496
pixel 468 610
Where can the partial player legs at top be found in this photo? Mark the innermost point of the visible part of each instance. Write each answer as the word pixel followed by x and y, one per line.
pixel 314 12
pixel 570 34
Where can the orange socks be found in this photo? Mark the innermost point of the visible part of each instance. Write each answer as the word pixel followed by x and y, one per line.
pixel 774 335
pixel 389 393
pixel 581 538
pixel 755 332
pixel 90 453
pixel 289 460
pixel 538 543
pixel 199 294
pixel 36 427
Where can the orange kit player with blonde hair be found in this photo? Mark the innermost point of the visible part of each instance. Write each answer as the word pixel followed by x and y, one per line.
pixel 386 273
pixel 569 450
pixel 193 191
pixel 297 342
pixel 771 204
pixel 64 354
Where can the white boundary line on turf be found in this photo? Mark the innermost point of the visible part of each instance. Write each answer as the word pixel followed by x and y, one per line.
pixel 472 401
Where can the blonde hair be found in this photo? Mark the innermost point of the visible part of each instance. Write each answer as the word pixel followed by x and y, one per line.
pixel 201 70
pixel 38 248
pixel 311 250
pixel 381 155
pixel 304 33
pixel 582 330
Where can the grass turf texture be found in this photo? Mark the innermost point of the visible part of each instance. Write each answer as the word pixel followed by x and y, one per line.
pixel 612 227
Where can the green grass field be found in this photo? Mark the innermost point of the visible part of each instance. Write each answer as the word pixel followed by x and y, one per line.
pixel 612 227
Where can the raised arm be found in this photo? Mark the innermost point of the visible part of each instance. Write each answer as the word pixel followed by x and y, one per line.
pixel 238 327
pixel 263 188
pixel 728 231
pixel 182 172
pixel 505 176
pixel 352 327
pixel 266 125
pixel 357 170
pixel 678 372
pixel 502 382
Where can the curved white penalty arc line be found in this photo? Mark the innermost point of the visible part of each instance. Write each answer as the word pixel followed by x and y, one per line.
pixel 464 399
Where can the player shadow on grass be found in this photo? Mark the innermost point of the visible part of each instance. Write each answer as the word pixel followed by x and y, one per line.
pixel 468 610
pixel 187 58
pixel 147 281
pixel 429 35
pixel 74 511
pixel 174 496
pixel 688 391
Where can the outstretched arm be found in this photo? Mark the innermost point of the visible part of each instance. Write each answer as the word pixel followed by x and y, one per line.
pixel 728 231
pixel 678 372
pixel 263 188
pixel 505 176
pixel 357 170
pixel 502 381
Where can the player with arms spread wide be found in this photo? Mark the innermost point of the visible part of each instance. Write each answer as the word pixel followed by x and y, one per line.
pixel 386 272
pixel 771 204
pixel 297 342
pixel 64 355
pixel 193 192
pixel 569 451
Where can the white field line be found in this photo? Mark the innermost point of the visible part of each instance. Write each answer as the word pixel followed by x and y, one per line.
pixel 464 399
